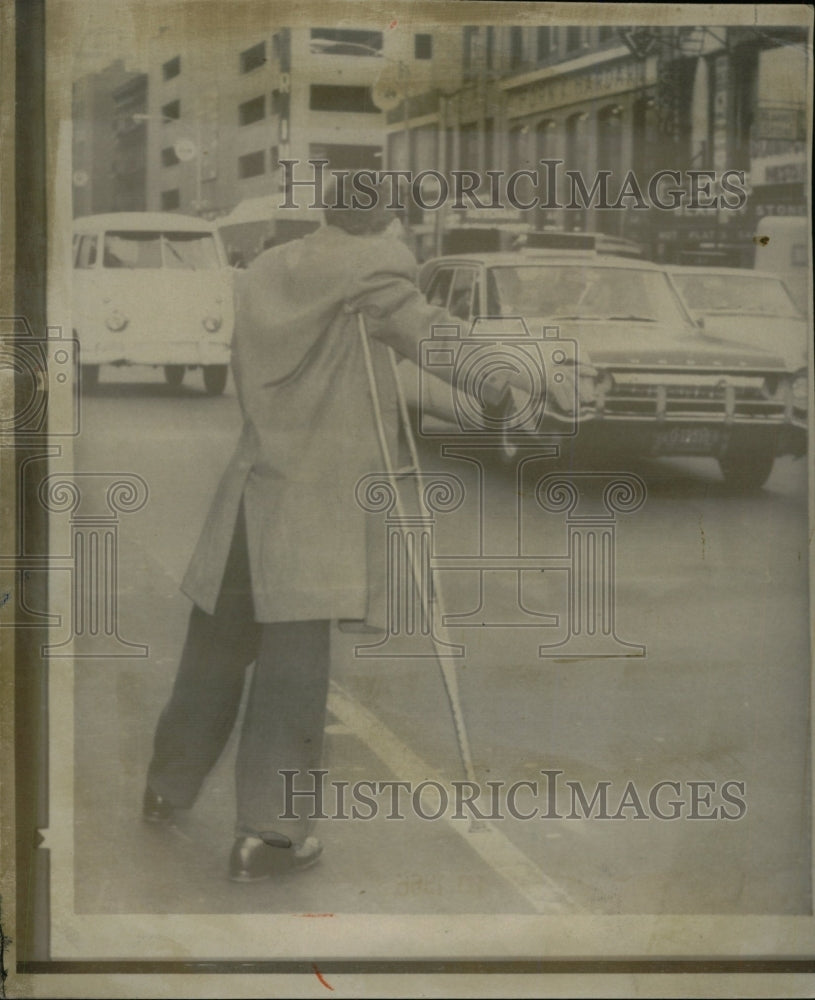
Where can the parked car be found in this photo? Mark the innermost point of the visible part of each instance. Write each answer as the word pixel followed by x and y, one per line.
pixel 746 307
pixel 601 349
pixel 152 288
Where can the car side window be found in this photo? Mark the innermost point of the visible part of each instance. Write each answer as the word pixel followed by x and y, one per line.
pixel 85 256
pixel 461 295
pixel 440 287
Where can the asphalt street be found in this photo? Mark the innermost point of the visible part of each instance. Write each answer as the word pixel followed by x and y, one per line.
pixel 712 584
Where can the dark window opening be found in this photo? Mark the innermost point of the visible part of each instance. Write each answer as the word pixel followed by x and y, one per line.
pixel 350 99
pixel 574 39
pixel 252 111
pixel 468 43
pixel 423 46
pixel 172 110
pixel 168 157
pixel 169 200
pixel 252 164
pixel 171 68
pixel 605 34
pixel 544 43
pixel 489 47
pixel 253 57
pixel 516 47
pixel 347 157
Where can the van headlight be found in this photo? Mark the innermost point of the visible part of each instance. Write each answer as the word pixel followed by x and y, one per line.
pixel 800 390
pixel 212 324
pixel 116 321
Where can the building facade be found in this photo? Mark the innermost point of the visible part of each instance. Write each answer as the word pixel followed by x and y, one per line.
pixel 108 161
pixel 619 100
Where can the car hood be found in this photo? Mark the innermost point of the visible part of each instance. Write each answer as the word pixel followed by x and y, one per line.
pixel 628 343
pixel 786 336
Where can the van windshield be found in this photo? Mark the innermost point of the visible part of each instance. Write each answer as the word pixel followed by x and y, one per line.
pixel 166 249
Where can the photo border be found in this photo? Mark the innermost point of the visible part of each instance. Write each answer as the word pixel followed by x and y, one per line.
pixel 28 176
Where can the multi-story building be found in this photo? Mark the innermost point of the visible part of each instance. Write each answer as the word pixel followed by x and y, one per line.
pixel 221 118
pixel 603 98
pixel 108 166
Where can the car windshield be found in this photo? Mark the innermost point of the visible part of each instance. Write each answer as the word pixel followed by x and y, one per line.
pixel 741 295
pixel 583 292
pixel 139 249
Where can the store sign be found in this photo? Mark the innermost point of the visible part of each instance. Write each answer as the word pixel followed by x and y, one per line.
pixel 779 123
pixel 575 87
pixel 779 169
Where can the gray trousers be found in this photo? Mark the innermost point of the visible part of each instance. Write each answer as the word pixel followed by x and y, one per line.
pixel 285 712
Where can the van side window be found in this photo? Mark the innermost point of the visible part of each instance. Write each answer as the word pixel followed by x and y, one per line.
pixel 85 252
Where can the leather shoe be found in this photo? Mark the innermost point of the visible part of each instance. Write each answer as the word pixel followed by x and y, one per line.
pixel 155 808
pixel 254 859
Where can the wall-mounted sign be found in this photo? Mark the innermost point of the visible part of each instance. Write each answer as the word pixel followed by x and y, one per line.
pixel 779 123
pixel 558 91
pixel 185 149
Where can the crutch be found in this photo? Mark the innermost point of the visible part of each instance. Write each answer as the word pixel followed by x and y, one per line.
pixel 446 662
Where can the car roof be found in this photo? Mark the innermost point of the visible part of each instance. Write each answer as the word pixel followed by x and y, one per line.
pixel 521 258
pixel 143 221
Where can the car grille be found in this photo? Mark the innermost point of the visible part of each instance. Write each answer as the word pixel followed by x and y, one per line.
pixel 687 396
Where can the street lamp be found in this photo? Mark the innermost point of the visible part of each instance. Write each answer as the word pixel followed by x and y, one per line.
pixel 185 149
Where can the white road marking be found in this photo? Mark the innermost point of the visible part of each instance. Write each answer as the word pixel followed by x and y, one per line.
pixel 493 847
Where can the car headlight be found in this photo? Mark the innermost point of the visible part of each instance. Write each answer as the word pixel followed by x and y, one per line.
pixel 606 383
pixel 212 323
pixel 116 321
pixel 800 390
pixel 587 388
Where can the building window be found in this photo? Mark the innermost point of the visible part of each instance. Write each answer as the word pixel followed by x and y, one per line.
pixel 252 164
pixel 516 47
pixel 347 157
pixel 605 34
pixel 252 111
pixel 468 42
pixel 253 58
pixel 351 99
pixel 346 42
pixel 489 47
pixel 544 43
pixel 574 39
pixel 172 110
pixel 170 199
pixel 168 157
pixel 274 161
pixel 171 68
pixel 423 46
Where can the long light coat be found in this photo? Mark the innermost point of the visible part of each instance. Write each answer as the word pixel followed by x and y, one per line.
pixel 309 432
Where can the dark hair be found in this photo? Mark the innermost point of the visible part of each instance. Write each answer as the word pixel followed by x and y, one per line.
pixel 360 221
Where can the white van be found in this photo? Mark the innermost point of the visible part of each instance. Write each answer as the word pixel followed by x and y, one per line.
pixel 152 288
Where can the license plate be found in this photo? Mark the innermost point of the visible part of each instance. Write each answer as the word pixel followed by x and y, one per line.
pixel 688 441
